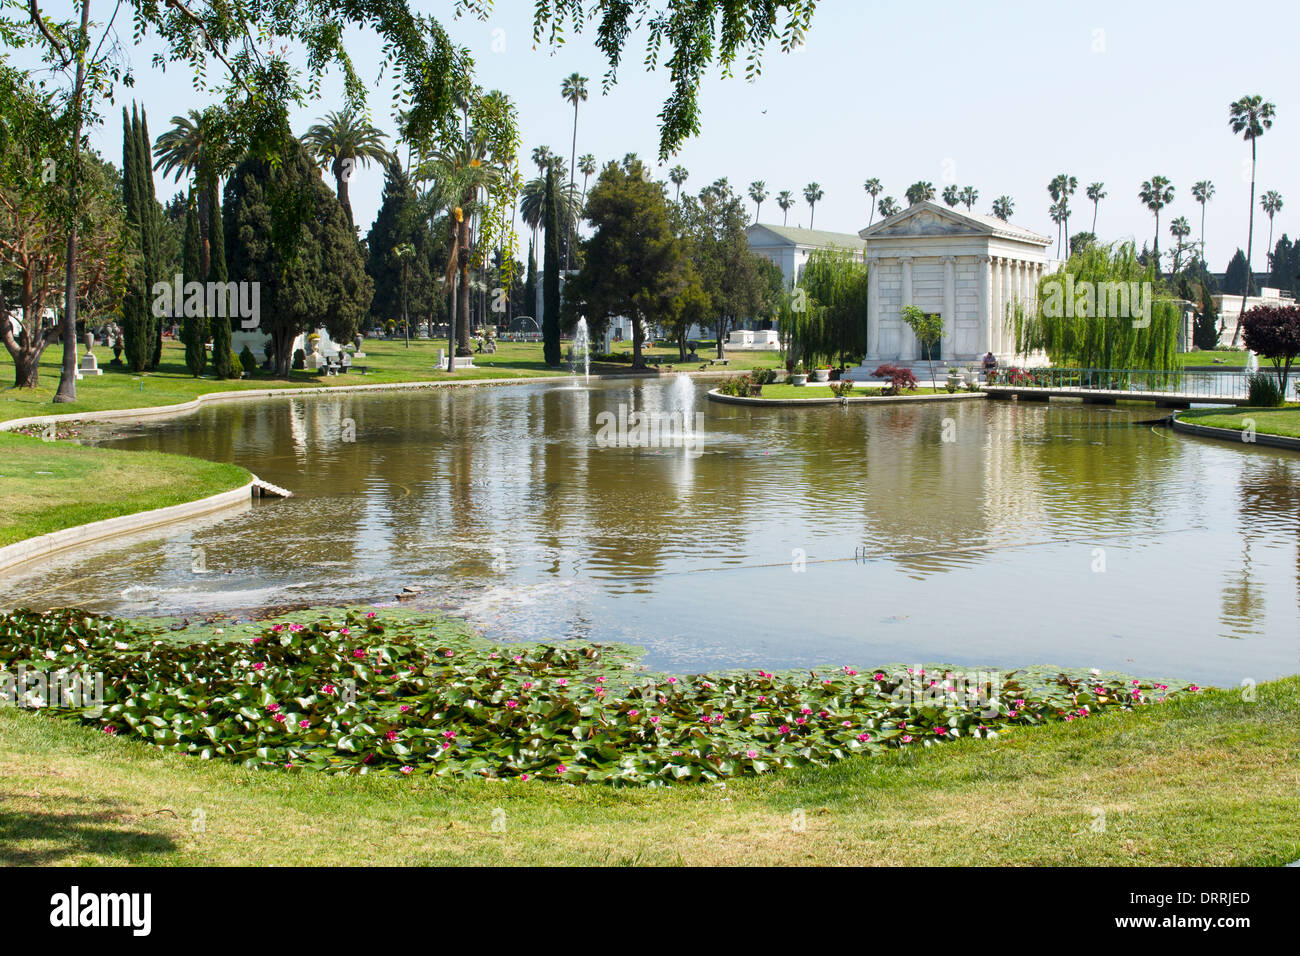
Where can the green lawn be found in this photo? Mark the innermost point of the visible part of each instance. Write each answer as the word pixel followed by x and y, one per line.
pixel 1229 357
pixel 48 486
pixel 1267 421
pixel 1205 780
pixel 390 361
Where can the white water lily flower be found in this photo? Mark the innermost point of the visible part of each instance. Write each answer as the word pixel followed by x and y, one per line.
pixel 120 645
pixel 50 655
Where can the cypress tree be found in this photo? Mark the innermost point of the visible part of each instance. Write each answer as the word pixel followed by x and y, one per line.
pixel 530 284
pixel 219 325
pixel 150 229
pixel 551 277
pixel 135 306
pixel 194 329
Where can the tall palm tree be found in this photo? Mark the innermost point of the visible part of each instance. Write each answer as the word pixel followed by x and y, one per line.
pixel 1271 203
pixel 889 207
pixel 187 151
pixel 1180 229
pixel 342 142
pixel 1203 192
pixel 1003 207
pixel 874 189
pixel 586 166
pixel 1250 116
pixel 758 192
pixel 1156 193
pixel 574 90
pixel 678 174
pixel 812 193
pixel 1096 192
pixel 951 195
pixel 785 199
pixel 1057 211
pixel 1061 188
pixel 919 191
pixel 969 196
pixel 544 158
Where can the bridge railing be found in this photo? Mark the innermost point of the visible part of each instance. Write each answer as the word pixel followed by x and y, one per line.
pixel 1207 385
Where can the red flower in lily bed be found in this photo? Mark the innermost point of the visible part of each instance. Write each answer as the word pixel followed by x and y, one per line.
pixel 348 696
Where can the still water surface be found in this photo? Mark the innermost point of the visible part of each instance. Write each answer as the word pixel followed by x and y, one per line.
pixel 975 532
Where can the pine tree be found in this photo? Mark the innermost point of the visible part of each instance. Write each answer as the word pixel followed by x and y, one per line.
pixel 219 326
pixel 134 304
pixel 551 277
pixel 1234 279
pixel 1205 333
pixel 194 328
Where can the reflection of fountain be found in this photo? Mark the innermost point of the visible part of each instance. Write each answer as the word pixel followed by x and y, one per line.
pixel 581 349
pixel 1252 363
pixel 682 401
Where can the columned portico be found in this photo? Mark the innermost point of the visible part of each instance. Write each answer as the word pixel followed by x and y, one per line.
pixel 971 270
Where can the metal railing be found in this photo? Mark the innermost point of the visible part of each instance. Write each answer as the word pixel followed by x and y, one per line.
pixel 1199 384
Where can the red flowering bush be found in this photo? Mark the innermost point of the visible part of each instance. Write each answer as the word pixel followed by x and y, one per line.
pixel 1273 331
pixel 900 379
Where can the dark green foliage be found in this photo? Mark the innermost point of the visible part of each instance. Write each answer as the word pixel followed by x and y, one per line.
pixel 138 321
pixel 348 695
pixel 194 328
pixel 1205 332
pixel 530 284
pixel 247 360
pixel 312 276
pixel 1234 278
pixel 1284 265
pixel 399 221
pixel 824 318
pixel 151 229
pixel 551 276
pixel 1273 331
pixel 218 326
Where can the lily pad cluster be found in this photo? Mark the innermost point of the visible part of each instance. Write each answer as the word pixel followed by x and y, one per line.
pixel 346 694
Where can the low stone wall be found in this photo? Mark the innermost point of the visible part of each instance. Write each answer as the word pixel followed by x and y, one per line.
pixel 1233 435
pixel 715 396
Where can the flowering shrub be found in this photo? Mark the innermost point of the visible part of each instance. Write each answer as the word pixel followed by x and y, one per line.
pixel 739 385
pixel 348 696
pixel 841 388
pixel 900 379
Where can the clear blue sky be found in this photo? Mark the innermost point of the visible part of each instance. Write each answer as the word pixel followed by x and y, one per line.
pixel 1001 97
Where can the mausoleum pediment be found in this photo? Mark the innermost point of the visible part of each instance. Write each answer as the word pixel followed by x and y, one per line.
pixel 930 219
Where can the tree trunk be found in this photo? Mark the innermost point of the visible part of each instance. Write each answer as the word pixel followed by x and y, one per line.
pixel 1250 239
pixel 638 337
pixel 720 328
pixel 68 379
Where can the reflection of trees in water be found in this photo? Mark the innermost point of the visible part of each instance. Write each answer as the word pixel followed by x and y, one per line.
pixel 1268 491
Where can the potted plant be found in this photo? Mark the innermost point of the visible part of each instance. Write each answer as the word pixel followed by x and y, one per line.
pixel 822 373
pixel 798 376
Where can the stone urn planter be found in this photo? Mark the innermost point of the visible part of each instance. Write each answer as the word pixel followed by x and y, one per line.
pixel 798 378
pixel 821 374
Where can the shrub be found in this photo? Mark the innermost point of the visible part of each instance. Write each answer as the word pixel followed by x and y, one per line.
pixel 1263 390
pixel 1273 331
pixel 739 385
pixel 247 360
pixel 900 379
pixel 299 358
pixel 764 376
pixel 841 388
pixel 236 366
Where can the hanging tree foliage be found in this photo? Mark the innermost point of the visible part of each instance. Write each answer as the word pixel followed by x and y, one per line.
pixel 825 315
pixel 1105 309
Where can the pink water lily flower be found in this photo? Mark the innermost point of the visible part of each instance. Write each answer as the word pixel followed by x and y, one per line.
pixel 561 769
pixel 273 707
pixel 751 754
pixel 259 666
pixel 278 718
pixel 907 739
pixel 512 704
pixel 864 737
pixel 407 769
pixel 304 723
pixel 390 736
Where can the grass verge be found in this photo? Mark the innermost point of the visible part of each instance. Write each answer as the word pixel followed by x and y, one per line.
pixel 1266 421
pixel 48 486
pixel 1208 780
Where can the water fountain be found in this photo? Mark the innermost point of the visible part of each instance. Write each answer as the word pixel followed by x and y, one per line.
pixel 682 400
pixel 581 350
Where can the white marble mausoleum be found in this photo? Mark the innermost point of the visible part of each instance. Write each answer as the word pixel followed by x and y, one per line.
pixel 969 268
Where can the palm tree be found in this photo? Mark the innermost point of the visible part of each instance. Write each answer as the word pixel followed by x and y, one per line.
pixel 544 158
pixel 1156 193
pixel 813 193
pixel 1096 192
pixel 1250 116
pixel 1003 207
pixel 889 207
pixel 951 195
pixel 785 199
pixel 874 189
pixel 1057 211
pixel 1180 228
pixel 532 203
pixel 1061 188
pixel 586 166
pixel 187 151
pixel 919 191
pixel 1271 203
pixel 1203 192
pixel 574 89
pixel 678 174
pixel 342 141
pixel 969 195
pixel 403 252
pixel 758 192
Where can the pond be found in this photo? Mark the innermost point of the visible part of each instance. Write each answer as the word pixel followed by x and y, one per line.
pixel 976 533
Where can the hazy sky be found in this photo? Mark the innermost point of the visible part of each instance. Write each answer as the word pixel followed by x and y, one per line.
pixel 1000 96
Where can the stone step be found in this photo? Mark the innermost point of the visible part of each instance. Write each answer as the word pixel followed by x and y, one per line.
pixel 264 489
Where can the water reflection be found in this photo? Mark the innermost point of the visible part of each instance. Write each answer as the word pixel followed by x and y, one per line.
pixel 988 533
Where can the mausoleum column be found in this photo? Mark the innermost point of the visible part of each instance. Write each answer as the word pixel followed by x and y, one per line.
pixel 906 340
pixel 949 305
pixel 873 307
pixel 999 265
pixel 984 266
